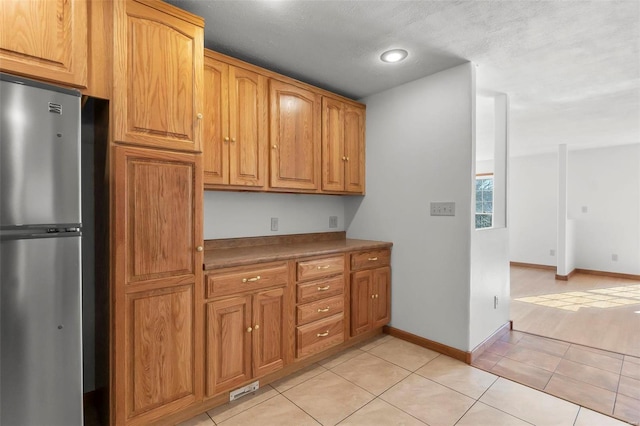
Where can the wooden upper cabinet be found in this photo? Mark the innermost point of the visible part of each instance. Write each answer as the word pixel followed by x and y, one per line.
pixel 235 127
pixel 333 155
pixel 45 39
pixel 343 157
pixel 295 128
pixel 354 149
pixel 158 68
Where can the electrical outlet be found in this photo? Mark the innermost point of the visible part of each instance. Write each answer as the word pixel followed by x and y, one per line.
pixel 614 257
pixel 495 302
pixel 443 208
pixel 274 223
pixel 333 221
pixel 552 252
pixel 585 209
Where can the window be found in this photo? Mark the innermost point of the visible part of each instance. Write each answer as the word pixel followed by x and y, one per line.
pixel 484 201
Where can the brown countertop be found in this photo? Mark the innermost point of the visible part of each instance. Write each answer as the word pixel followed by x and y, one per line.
pixel 247 251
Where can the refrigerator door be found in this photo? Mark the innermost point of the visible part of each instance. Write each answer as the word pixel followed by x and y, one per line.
pixel 40 329
pixel 39 154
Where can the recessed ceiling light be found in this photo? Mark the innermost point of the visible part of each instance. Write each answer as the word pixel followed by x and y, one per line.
pixel 394 55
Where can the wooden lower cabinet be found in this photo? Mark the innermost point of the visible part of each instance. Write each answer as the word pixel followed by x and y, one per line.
pixel 160 349
pixel 156 323
pixel 370 299
pixel 245 338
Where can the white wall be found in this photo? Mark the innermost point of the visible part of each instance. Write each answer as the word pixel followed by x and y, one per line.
pixel 248 214
pixel 604 180
pixel 490 277
pixel 419 149
pixel 607 182
pixel 533 208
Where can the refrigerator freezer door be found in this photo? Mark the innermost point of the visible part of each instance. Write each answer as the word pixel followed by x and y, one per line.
pixel 39 156
pixel 40 330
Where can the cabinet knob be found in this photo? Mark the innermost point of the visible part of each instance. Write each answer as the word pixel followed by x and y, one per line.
pixel 249 330
pixel 373 296
pixel 199 248
pixel 233 140
pixel 344 158
pixel 199 115
pixel 226 139
pixel 256 327
pixel 376 296
pixel 275 147
pixel 347 158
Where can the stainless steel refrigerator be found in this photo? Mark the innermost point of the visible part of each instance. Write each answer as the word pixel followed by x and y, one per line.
pixel 40 259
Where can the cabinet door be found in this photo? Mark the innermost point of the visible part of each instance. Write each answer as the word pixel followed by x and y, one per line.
pixel 215 131
pixel 158 68
pixel 45 39
pixel 354 149
pixel 381 279
pixel 361 302
pixel 333 153
pixel 156 228
pixel 248 127
pixel 295 137
pixel 228 356
pixel 160 350
pixel 268 331
pixel 158 216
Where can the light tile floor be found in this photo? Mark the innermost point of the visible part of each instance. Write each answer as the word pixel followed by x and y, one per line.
pixel 387 381
pixel 603 381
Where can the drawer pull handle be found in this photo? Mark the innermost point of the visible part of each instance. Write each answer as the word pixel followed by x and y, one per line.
pixel 323 310
pixel 325 288
pixel 251 280
pixel 324 267
pixel 325 334
pixel 373 258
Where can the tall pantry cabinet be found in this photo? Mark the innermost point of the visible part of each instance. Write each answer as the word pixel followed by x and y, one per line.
pixel 156 211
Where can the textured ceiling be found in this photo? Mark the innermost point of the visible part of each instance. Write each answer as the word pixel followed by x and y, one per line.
pixel 570 68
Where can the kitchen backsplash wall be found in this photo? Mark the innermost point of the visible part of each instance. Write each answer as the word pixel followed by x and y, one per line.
pixel 248 214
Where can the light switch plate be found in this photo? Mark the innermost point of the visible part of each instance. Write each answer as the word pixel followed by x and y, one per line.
pixel 446 208
pixel 274 223
pixel 333 221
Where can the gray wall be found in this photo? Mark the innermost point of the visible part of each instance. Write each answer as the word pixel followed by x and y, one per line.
pixel 248 214
pixel 419 149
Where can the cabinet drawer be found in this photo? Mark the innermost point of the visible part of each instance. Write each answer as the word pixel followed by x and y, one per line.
pixel 319 309
pixel 309 269
pixel 238 280
pixel 319 335
pixel 321 289
pixel 370 259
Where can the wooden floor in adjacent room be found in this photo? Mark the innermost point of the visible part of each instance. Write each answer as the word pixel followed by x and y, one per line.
pixel 591 310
